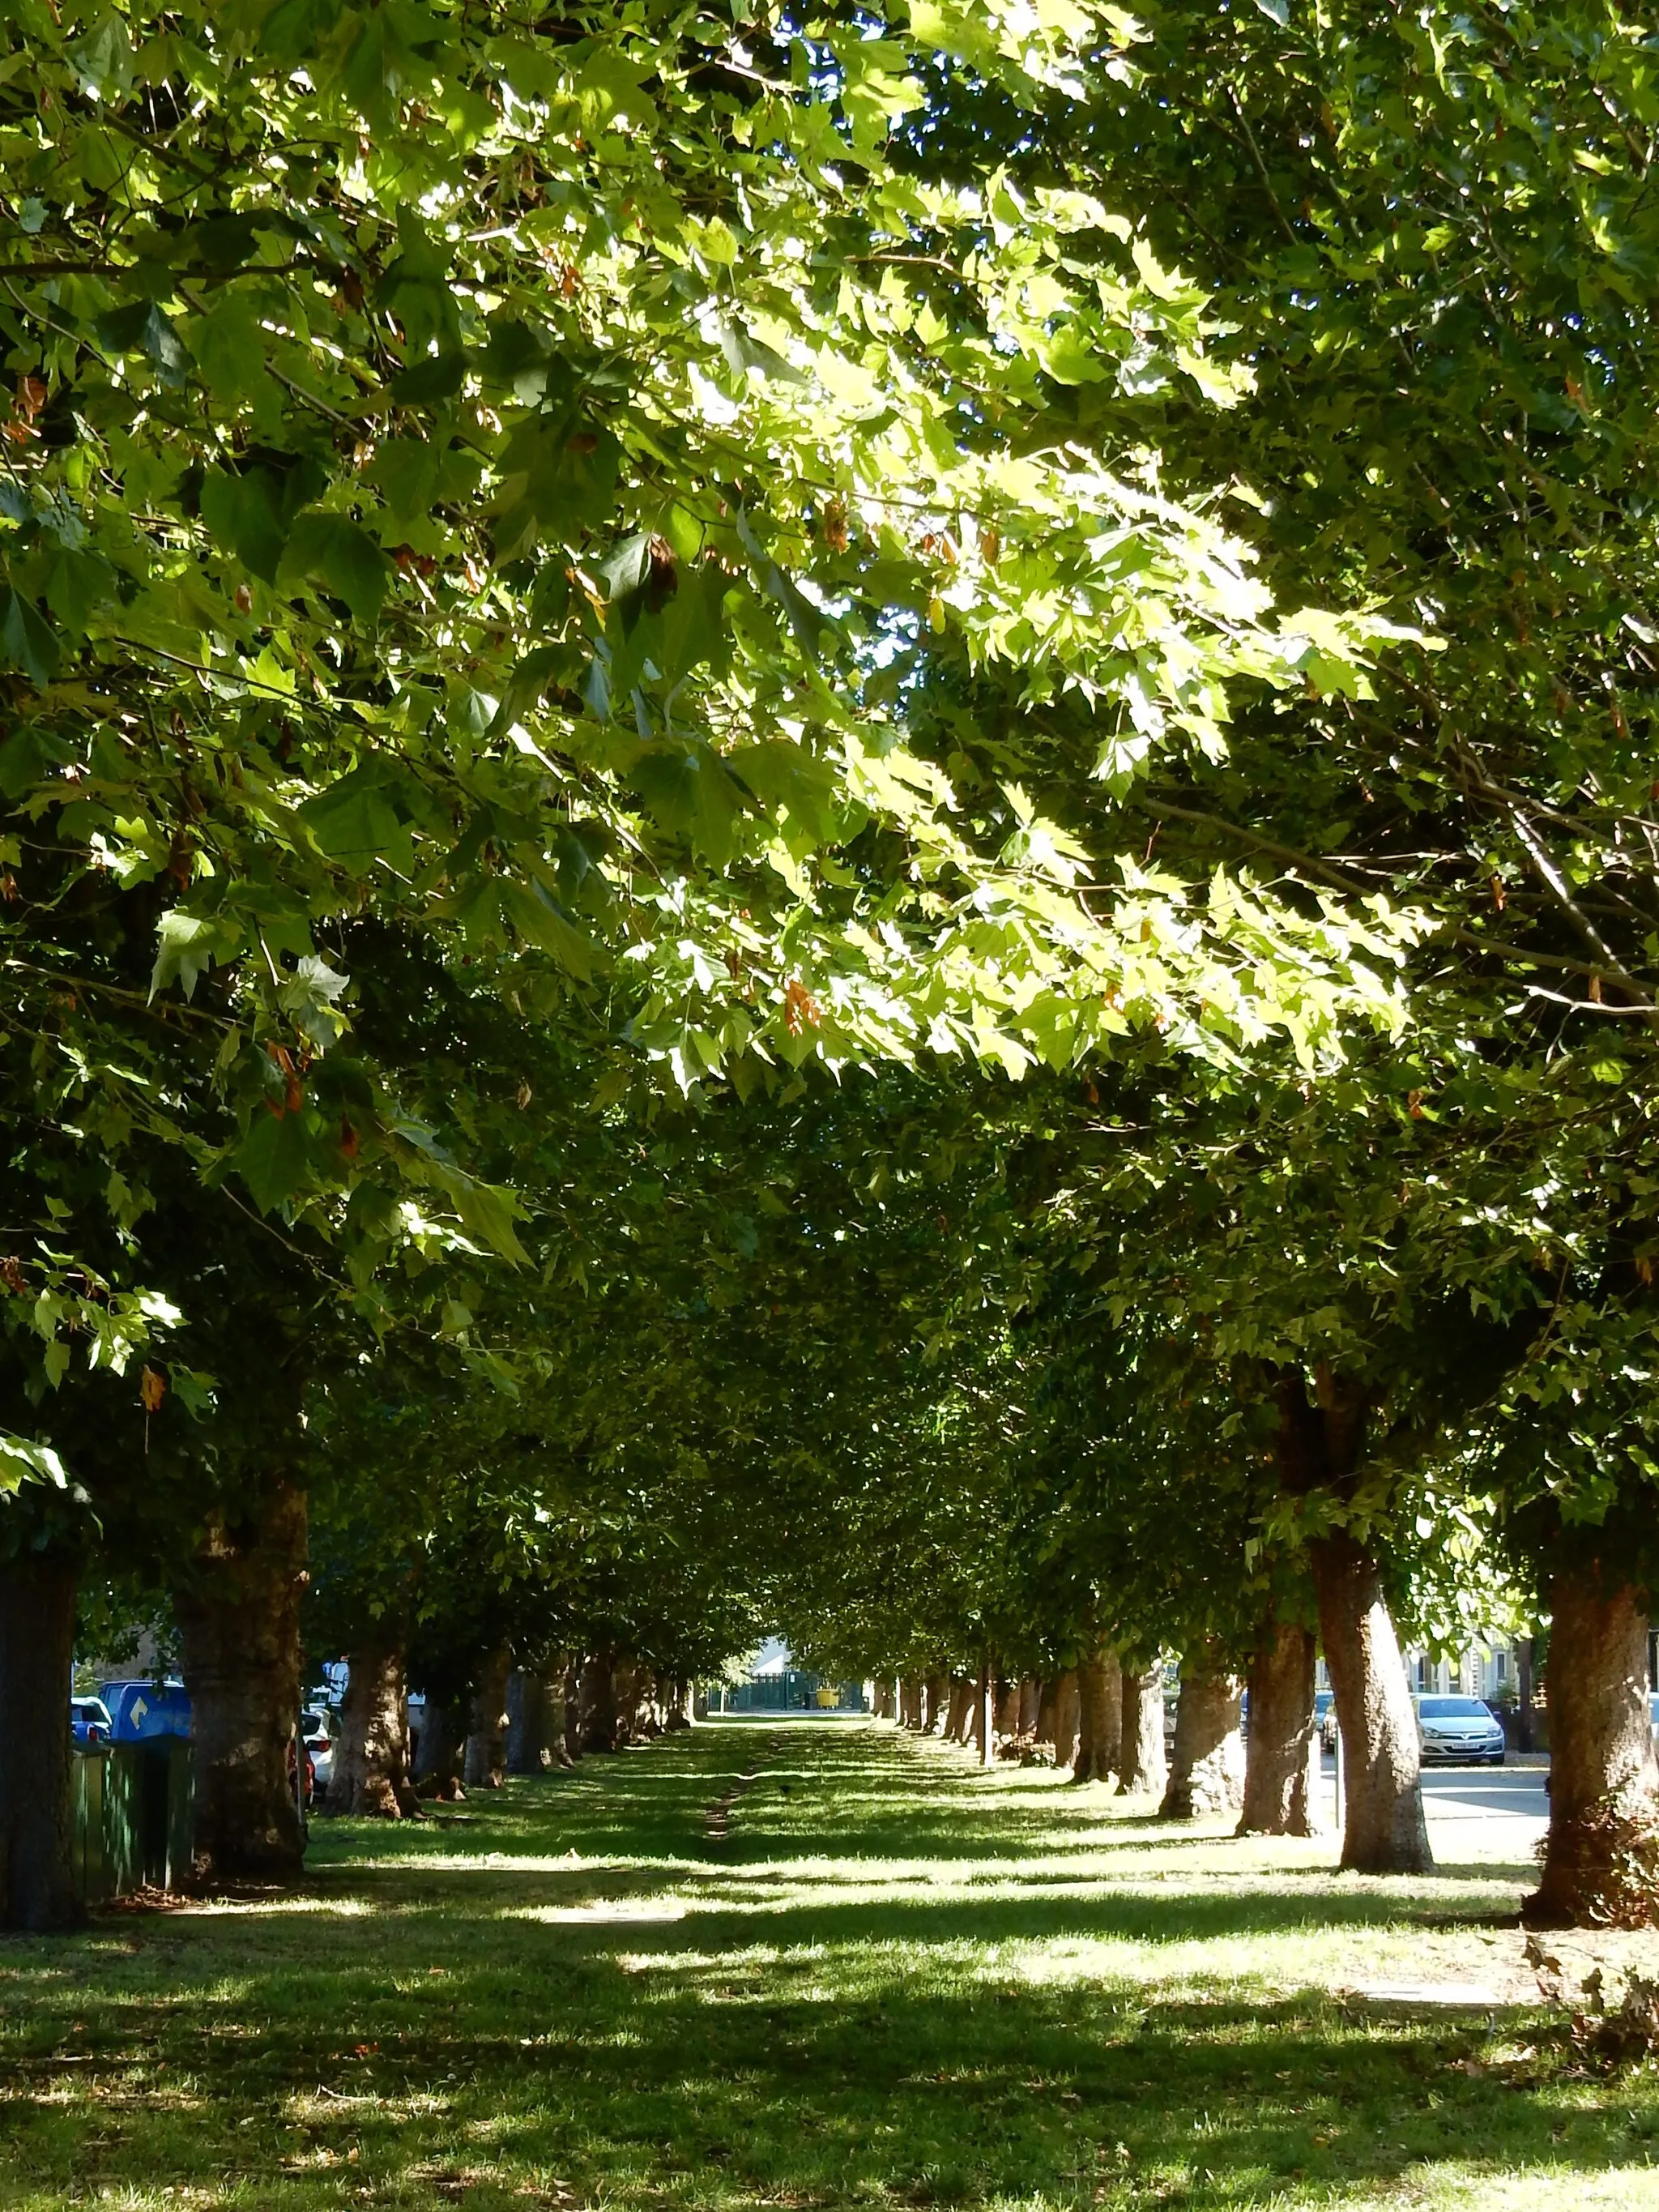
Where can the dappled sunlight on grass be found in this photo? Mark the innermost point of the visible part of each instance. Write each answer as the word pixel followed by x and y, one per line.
pixel 891 1980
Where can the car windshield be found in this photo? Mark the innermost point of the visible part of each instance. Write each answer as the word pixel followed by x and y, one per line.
pixel 1454 1709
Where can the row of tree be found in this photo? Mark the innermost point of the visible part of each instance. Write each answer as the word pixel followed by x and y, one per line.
pixel 845 821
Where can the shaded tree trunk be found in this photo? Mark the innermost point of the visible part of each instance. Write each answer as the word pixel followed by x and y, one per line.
pixel 938 1705
pixel 1069 1712
pixel 1206 1767
pixel 1047 1690
pixel 371 1777
pixel 485 1766
pixel 37 1649
pixel 910 1696
pixel 1601 1854
pixel 573 1710
pixel 1383 1830
pixel 1143 1773
pixel 438 1759
pixel 1100 1717
pixel 1281 1754
pixel 1030 1703
pixel 958 1717
pixel 238 1624
pixel 1007 1709
pixel 1526 1727
pixel 526 1722
pixel 599 1721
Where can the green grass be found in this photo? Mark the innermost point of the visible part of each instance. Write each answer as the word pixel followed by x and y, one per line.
pixel 893 1981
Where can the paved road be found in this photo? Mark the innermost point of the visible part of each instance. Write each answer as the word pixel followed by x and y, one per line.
pixel 1476 1812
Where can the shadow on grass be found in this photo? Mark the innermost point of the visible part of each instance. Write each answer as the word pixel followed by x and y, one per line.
pixel 403 2034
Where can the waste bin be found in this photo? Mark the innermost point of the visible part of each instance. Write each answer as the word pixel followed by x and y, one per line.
pixel 133 1810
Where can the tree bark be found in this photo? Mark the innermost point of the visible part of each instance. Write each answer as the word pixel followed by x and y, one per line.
pixel 1206 1770
pixel 371 1778
pixel 1601 1854
pixel 1007 1709
pixel 1048 1695
pixel 1525 1727
pixel 573 1710
pixel 438 1764
pixel 1030 1703
pixel 485 1766
pixel 1383 1830
pixel 910 1696
pixel 37 1649
pixel 1281 1754
pixel 239 1625
pixel 959 1713
pixel 1100 1717
pixel 938 1687
pixel 526 1722
pixel 1320 1447
pixel 1067 1715
pixel 599 1725
pixel 1144 1771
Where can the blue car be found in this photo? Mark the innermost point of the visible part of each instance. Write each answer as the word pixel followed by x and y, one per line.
pixel 89 1720
pixel 139 1711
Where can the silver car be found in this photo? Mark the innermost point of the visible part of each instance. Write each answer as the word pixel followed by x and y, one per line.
pixel 1461 1728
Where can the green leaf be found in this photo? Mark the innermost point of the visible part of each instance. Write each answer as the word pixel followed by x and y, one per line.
pixel 271 1159
pixel 355 823
pixel 537 915
pixel 244 514
pixel 424 382
pixel 338 554
pixel 185 950
pixel 22 1461
pixel 141 327
pixel 27 640
pixel 102 59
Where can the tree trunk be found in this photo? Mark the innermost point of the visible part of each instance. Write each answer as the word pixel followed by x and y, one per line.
pixel 556 1720
pixel 1067 1714
pixel 1382 1829
pixel 938 1706
pixel 910 1695
pixel 1030 1702
pixel 1047 1697
pixel 1525 1726
pixel 486 1736
pixel 1206 1770
pixel 573 1710
pixel 1601 1854
pixel 438 1766
pixel 1143 1772
pixel 598 1702
pixel 959 1712
pixel 239 1625
pixel 1281 1754
pixel 1320 1447
pixel 37 1649
pixel 1100 1717
pixel 1007 1709
pixel 371 1778
pixel 526 1722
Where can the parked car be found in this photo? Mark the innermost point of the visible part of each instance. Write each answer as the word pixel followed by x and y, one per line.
pixel 1461 1728
pixel 1325 1718
pixel 140 1709
pixel 89 1720
pixel 318 1727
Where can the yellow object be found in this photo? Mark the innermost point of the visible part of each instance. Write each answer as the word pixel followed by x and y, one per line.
pixel 829 1699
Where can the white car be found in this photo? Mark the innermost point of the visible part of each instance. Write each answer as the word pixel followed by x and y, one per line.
pixel 318 1727
pixel 1461 1728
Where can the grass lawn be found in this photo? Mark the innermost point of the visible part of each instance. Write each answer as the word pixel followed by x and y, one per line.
pixel 811 1964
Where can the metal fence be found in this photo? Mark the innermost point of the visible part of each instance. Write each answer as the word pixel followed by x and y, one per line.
pixel 793 1691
